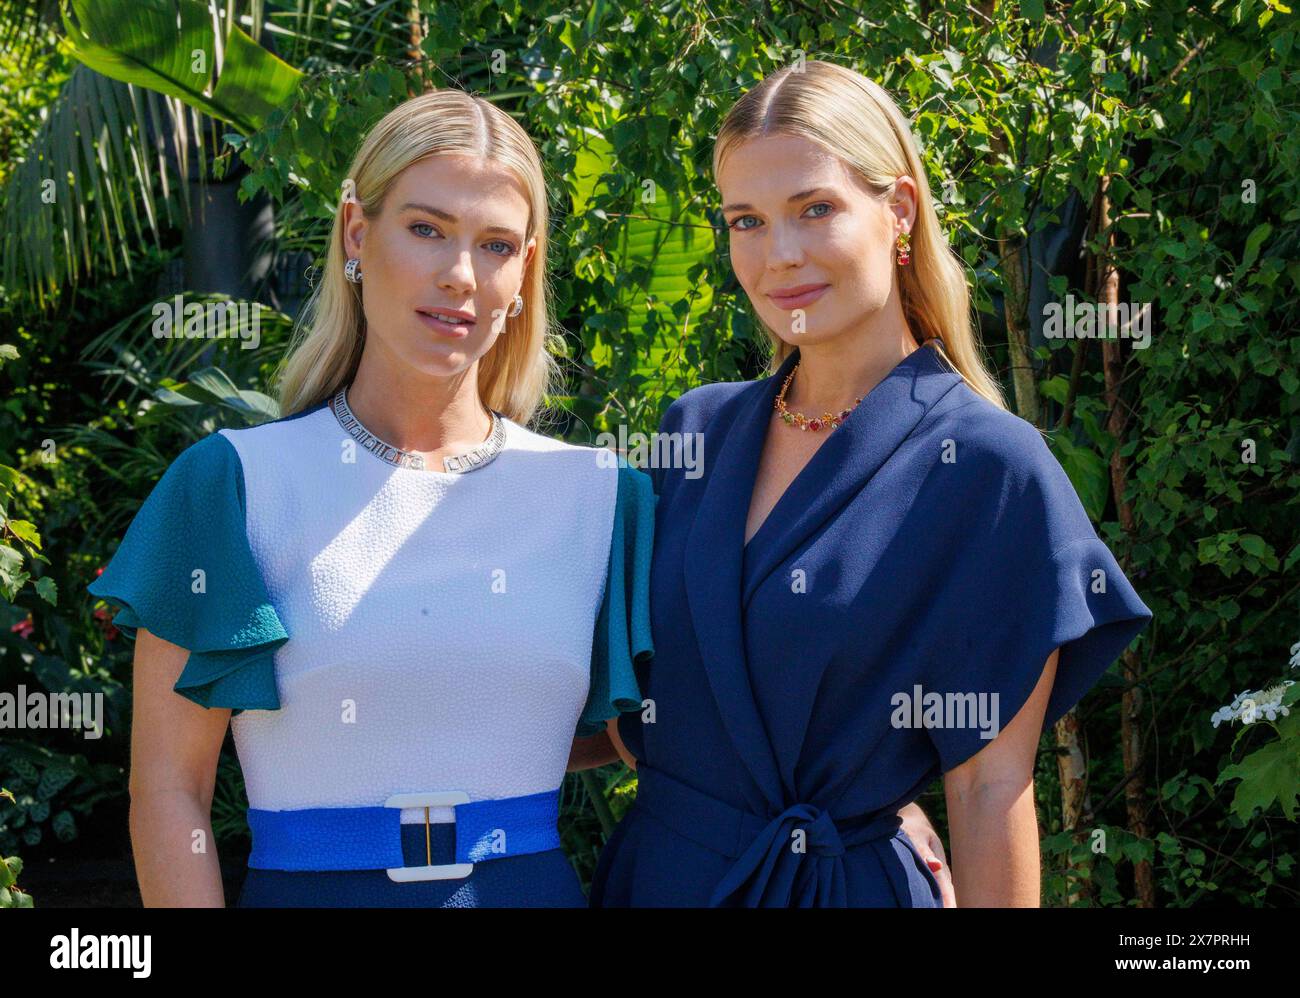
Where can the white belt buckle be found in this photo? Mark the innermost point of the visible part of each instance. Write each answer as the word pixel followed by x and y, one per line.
pixel 446 871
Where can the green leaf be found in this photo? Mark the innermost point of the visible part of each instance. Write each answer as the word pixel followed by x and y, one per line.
pixel 1057 388
pixel 170 46
pixel 65 827
pixel 595 14
pixel 665 240
pixel 568 37
pixel 53 779
pixel 212 386
pixel 12 575
pixel 253 80
pixel 26 532
pixel 1088 473
pixel 1268 775
pixel 1253 242
pixel 10 477
pixel 47 590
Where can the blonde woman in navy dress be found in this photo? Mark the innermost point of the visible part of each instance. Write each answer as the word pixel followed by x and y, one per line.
pixel 414 612
pixel 882 576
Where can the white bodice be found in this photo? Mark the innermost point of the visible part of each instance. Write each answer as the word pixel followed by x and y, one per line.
pixel 440 625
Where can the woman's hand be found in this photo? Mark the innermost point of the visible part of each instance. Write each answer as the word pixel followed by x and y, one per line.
pixel 927 842
pixel 175 745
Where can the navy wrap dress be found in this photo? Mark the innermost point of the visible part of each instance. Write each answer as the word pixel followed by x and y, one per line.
pixel 931 546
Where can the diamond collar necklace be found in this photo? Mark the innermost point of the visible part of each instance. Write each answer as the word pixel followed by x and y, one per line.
pixel 471 460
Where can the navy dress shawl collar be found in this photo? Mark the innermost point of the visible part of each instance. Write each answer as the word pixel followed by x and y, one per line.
pixel 721 574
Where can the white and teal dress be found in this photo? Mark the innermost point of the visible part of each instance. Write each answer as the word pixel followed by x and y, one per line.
pixel 408 653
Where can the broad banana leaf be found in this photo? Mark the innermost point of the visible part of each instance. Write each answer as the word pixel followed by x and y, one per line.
pixel 652 257
pixel 172 47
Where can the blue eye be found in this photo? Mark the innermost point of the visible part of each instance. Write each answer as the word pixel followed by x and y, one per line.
pixel 736 223
pixel 820 204
pixel 423 225
pixel 507 249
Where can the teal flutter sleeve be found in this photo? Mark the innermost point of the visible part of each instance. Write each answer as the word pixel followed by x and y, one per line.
pixel 622 635
pixel 184 571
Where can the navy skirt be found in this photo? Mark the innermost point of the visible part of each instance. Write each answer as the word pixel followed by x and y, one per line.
pixel 534 880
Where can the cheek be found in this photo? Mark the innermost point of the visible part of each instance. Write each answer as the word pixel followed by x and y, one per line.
pixel 746 259
pixel 856 252
pixel 498 279
pixel 399 259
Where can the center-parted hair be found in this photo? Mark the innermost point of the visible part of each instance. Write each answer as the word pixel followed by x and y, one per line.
pixel 515 374
pixel 855 119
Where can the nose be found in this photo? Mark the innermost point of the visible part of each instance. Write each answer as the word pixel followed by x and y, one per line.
pixel 784 249
pixel 458 277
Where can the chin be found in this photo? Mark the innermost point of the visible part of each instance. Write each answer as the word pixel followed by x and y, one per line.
pixel 439 361
pixel 809 336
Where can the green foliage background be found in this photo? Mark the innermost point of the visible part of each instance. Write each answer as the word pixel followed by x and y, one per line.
pixel 1189 113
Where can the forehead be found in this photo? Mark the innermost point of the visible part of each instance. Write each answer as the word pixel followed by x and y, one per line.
pixel 463 184
pixel 772 167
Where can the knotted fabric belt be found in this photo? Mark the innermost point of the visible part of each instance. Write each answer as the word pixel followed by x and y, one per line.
pixel 370 838
pixel 773 866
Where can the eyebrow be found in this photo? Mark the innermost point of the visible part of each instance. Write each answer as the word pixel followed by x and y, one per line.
pixel 793 197
pixel 448 217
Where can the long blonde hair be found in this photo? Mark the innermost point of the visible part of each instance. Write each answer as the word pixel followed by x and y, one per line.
pixel 856 119
pixel 514 376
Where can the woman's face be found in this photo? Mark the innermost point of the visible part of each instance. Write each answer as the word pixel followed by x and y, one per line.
pixel 442 262
pixel 811 246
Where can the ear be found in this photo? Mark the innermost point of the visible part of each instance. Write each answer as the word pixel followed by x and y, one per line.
pixel 903 203
pixel 529 250
pixel 354 228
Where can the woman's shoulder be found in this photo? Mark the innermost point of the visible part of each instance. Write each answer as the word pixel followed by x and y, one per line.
pixel 280 432
pixel 558 456
pixel 208 463
pixel 1005 467
pixel 526 438
pixel 626 483
pixel 988 436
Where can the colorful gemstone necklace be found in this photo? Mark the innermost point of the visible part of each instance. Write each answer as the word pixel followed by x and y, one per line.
pixel 826 419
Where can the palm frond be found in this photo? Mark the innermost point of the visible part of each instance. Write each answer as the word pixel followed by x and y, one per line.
pixel 24 25
pixel 87 188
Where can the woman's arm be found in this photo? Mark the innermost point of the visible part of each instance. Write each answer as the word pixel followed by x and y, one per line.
pixel 611 729
pixel 590 752
pixel 174 749
pixel 600 750
pixel 991 814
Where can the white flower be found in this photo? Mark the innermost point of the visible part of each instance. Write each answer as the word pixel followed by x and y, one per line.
pixel 1249 706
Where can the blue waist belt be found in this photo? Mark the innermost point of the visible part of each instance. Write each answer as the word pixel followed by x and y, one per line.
pixel 370 838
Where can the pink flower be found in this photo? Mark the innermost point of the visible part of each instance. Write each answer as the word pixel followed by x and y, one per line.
pixel 105 621
pixel 24 627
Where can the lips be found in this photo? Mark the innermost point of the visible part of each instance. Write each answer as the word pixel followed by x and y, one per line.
pixel 451 322
pixel 799 296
